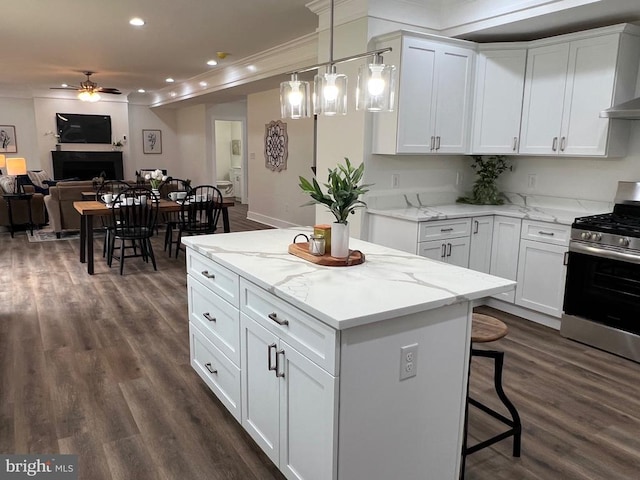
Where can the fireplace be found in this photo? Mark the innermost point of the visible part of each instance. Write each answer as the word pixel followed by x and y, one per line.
pixel 87 165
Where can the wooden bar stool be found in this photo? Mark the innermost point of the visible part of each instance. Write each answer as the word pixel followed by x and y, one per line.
pixel 484 329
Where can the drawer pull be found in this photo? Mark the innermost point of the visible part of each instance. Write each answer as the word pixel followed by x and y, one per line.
pixel 274 316
pixel 446 230
pixel 269 365
pixel 209 317
pixel 207 274
pixel 210 368
pixel 550 234
pixel 278 353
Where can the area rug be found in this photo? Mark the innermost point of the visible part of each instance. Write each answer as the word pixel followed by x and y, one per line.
pixel 45 235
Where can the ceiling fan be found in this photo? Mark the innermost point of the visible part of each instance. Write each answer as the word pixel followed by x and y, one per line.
pixel 89 91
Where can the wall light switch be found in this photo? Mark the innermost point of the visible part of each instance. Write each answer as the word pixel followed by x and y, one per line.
pixel 395 180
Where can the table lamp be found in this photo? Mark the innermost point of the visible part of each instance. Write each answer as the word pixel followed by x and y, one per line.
pixel 2 163
pixel 16 166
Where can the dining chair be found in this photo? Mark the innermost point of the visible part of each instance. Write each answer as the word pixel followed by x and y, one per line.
pixel 199 213
pixel 113 188
pixel 134 216
pixel 170 219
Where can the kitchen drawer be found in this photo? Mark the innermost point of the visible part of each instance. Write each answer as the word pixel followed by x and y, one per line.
pixel 546 232
pixel 442 229
pixel 217 319
pixel 214 276
pixel 309 336
pixel 217 371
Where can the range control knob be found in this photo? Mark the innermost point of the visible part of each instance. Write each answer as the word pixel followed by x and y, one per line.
pixel 597 236
pixel 623 241
pixel 585 235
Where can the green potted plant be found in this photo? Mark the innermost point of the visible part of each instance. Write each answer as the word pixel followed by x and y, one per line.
pixel 485 191
pixel 342 198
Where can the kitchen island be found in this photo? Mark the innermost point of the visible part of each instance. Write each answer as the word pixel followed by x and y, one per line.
pixel 336 372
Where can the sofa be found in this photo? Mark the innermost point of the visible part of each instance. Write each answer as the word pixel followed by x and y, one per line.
pixel 59 204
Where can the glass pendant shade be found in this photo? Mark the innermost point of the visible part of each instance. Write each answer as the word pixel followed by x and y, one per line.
pixel 87 96
pixel 330 93
pixel 294 98
pixel 376 87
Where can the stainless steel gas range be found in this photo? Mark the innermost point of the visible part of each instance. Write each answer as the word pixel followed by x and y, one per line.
pixel 602 294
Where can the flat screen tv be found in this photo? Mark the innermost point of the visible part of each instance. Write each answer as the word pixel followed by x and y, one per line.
pixel 79 128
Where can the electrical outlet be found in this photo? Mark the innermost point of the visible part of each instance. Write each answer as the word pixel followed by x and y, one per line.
pixel 532 180
pixel 395 180
pixel 458 178
pixel 252 156
pixel 408 361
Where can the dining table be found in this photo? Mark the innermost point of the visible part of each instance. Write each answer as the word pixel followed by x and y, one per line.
pixel 88 209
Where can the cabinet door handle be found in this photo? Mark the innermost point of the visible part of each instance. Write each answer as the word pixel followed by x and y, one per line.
pixel 476 226
pixel 515 143
pixel 448 249
pixel 438 142
pixel 207 274
pixel 550 234
pixel 554 144
pixel 210 368
pixel 269 365
pixel 563 143
pixel 443 230
pixel 433 143
pixel 443 250
pixel 274 316
pixel 209 317
pixel 565 260
pixel 278 353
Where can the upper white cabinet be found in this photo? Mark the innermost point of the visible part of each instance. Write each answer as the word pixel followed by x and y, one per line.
pixel 433 97
pixel 498 98
pixel 569 80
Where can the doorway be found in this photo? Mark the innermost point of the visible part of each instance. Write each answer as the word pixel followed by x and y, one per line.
pixel 229 157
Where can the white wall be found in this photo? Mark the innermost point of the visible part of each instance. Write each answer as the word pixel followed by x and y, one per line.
pixel 193 162
pixel 19 113
pixel 275 196
pixel 223 148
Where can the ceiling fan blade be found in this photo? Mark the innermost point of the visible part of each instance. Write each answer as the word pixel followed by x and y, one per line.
pixel 114 91
pixel 69 87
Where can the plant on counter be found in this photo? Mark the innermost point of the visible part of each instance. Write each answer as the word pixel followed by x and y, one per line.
pixel 343 191
pixel 155 178
pixel 485 191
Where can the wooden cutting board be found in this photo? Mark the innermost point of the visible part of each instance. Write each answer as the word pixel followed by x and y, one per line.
pixel 356 257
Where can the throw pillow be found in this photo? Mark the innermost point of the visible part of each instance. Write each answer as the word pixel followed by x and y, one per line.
pixel 38 177
pixel 7 183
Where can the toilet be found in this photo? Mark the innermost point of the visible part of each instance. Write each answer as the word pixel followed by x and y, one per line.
pixel 225 187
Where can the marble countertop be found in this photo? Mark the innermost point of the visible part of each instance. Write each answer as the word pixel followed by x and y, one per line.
pixel 546 209
pixel 389 284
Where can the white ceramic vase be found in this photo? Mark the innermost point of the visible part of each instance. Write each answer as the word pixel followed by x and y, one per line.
pixel 156 192
pixel 340 240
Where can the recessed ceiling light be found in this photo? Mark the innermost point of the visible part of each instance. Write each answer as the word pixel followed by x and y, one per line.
pixel 252 68
pixel 64 85
pixel 173 94
pixel 169 80
pixel 141 90
pixel 212 63
pixel 203 84
pixel 136 22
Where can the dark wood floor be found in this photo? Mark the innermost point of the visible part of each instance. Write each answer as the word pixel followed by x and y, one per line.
pixel 99 366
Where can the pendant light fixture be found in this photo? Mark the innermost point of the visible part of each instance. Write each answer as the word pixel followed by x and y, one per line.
pixel 374 92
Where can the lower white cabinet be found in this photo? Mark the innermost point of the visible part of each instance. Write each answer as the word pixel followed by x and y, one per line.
pixel 289 405
pixel 542 267
pixel 504 251
pixel 454 251
pixel 480 247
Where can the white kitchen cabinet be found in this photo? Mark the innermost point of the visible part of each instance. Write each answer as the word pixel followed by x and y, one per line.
pixel 454 251
pixel 498 98
pixel 542 267
pixel 433 97
pixel 480 247
pixel 504 251
pixel 569 80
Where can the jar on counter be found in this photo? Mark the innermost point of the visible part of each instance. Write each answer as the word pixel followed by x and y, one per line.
pixel 316 245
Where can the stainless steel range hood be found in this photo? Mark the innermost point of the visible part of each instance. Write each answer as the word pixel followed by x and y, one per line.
pixel 629 110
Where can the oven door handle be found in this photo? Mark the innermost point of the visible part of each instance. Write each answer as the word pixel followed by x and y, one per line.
pixel 604 253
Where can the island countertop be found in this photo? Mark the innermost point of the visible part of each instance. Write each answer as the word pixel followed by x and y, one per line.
pixel 389 284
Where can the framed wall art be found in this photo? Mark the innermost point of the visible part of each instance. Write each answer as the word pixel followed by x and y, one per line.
pixel 151 141
pixel 8 142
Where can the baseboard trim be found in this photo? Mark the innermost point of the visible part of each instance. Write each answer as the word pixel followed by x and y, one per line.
pixel 272 222
pixel 537 317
